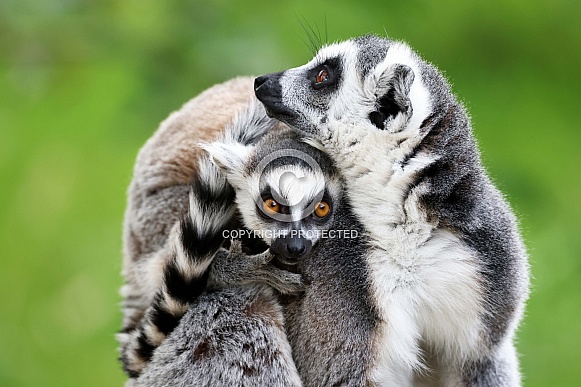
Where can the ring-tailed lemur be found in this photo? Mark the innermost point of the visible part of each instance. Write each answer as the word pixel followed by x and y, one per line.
pixel 449 272
pixel 239 301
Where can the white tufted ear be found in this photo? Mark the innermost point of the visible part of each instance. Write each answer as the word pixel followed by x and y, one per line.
pixel 399 72
pixel 230 158
pixel 390 86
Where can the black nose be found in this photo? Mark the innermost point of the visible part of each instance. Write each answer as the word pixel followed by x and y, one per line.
pixel 268 89
pixel 260 81
pixel 296 247
pixel 291 248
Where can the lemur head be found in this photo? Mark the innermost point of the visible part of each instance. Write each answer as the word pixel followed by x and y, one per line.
pixel 371 83
pixel 287 190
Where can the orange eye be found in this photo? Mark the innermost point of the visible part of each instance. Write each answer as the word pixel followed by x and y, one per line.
pixel 322 209
pixel 270 206
pixel 322 76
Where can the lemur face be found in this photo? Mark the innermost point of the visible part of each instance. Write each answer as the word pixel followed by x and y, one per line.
pixel 285 189
pixel 367 82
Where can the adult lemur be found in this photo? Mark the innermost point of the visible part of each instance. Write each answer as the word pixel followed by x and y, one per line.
pixel 449 273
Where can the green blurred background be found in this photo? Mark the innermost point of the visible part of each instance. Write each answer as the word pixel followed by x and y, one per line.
pixel 84 83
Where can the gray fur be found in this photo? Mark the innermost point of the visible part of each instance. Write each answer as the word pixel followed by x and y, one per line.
pixel 416 180
pixel 330 326
pixel 231 337
pixel 372 50
pixel 158 194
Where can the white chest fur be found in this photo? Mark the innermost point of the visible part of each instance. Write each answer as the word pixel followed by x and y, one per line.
pixel 424 279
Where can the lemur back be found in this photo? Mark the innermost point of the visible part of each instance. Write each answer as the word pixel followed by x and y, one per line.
pixel 232 337
pixel 448 270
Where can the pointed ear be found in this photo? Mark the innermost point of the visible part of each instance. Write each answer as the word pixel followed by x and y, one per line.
pixel 230 158
pixel 392 94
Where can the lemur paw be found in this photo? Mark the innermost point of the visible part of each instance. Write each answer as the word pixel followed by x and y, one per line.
pixel 284 281
pixel 234 267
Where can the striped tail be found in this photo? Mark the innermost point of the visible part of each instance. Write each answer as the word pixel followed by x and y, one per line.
pixel 194 241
